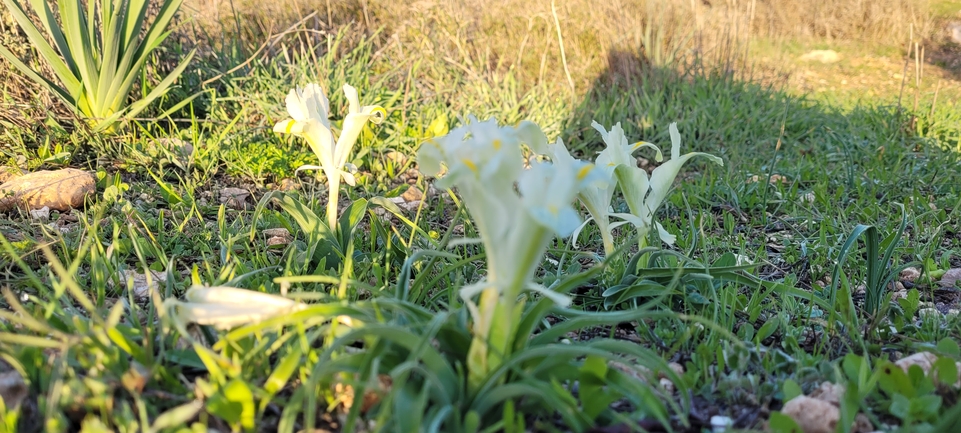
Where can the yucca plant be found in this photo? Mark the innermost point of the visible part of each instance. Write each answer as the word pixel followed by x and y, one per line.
pixel 97 50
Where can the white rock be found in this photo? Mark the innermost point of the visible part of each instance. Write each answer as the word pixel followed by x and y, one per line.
pixel 950 278
pixel 40 214
pixel 910 274
pixel 823 56
pixel 234 198
pixel 720 423
pixel 954 32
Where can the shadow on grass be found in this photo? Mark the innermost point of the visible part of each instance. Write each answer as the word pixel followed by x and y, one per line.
pixel 754 127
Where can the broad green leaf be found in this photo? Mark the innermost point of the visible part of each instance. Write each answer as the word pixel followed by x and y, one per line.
pixel 893 380
pixel 946 371
pixel 767 329
pixel 949 346
pixel 791 389
pixel 781 423
pixel 282 372
pixel 177 416
pixel 900 406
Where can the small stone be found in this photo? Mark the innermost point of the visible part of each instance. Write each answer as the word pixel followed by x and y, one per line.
pixel 277 240
pixel 667 385
pixel 40 214
pixel 404 204
pixel 234 198
pixel 954 32
pixel 720 423
pixel 910 274
pixel 829 392
pixel 141 289
pixel 950 278
pixel 57 189
pixel 286 184
pixel 397 157
pixel 862 424
pixel 277 232
pixel 812 415
pixel 924 360
pixel 412 194
pixel 823 56
pixel 12 388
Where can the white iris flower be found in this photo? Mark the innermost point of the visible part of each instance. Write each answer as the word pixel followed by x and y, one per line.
pixel 485 162
pixel 309 110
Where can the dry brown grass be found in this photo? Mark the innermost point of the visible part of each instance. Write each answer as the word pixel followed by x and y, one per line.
pixel 885 21
pixel 491 37
pixel 498 35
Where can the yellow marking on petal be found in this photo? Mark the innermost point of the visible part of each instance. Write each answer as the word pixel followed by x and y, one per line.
pixel 378 114
pixel 470 164
pixel 497 144
pixel 582 173
pixel 553 209
pixel 290 126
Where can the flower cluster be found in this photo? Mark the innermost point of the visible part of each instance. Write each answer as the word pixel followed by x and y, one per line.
pixel 643 195
pixel 485 162
pixel 518 206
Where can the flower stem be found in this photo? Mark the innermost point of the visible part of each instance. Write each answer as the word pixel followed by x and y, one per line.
pixel 499 307
pixel 333 185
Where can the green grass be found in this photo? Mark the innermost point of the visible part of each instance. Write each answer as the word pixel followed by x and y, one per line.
pixel 95 357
